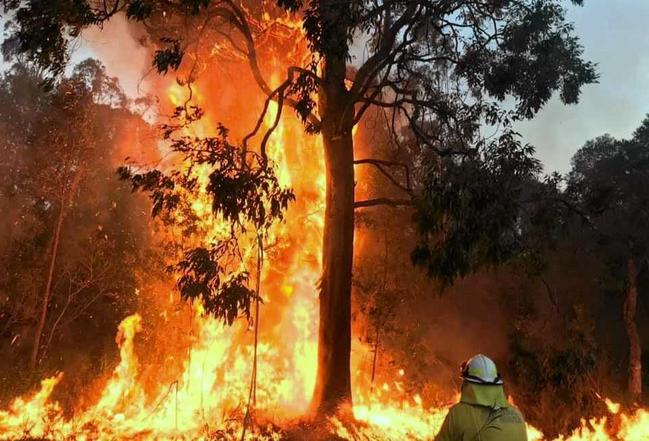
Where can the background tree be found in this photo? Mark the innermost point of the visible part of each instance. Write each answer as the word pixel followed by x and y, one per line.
pixel 71 133
pixel 438 69
pixel 70 228
pixel 593 219
pixel 608 183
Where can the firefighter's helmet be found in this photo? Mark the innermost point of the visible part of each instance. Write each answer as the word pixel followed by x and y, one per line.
pixel 480 369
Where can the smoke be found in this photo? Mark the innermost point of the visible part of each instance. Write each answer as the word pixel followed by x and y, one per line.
pixel 120 46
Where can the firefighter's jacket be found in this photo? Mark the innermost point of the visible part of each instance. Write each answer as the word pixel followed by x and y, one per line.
pixel 483 414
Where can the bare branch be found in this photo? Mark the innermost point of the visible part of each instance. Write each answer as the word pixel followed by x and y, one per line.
pixel 239 20
pixel 368 70
pixel 381 164
pixel 279 96
pixel 271 129
pixel 384 201
pixel 260 120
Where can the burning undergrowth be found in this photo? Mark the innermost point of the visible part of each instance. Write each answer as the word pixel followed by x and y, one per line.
pixel 197 386
pixel 183 374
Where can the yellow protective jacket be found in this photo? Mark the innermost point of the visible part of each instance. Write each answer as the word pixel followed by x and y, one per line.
pixel 483 414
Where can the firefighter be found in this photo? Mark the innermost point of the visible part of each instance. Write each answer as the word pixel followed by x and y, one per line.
pixel 483 413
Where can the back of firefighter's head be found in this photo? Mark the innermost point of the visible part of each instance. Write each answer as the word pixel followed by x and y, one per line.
pixel 480 369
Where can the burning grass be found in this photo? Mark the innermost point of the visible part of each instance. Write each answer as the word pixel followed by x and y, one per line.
pixel 208 398
pixel 197 408
pixel 207 401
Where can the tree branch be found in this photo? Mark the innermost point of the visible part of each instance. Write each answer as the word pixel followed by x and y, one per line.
pixel 381 164
pixel 260 120
pixel 368 69
pixel 384 201
pixel 279 96
pixel 239 20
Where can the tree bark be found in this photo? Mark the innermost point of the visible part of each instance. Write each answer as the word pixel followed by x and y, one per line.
pixel 48 290
pixel 332 392
pixel 635 350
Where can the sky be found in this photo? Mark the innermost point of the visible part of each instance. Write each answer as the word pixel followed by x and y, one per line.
pixel 615 35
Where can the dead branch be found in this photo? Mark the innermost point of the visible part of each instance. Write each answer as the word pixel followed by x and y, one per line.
pixel 381 164
pixel 383 201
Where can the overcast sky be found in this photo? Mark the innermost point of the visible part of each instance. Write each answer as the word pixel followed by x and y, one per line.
pixel 615 35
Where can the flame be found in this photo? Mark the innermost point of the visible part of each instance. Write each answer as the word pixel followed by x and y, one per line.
pixel 206 400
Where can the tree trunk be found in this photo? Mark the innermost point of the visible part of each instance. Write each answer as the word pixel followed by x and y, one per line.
pixel 48 290
pixel 635 350
pixel 332 392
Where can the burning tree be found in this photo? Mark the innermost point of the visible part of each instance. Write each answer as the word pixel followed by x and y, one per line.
pixel 436 70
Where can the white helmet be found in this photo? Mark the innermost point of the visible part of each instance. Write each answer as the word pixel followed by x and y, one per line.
pixel 481 369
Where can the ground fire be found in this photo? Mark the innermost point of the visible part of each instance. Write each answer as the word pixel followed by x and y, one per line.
pixel 206 399
pixel 306 360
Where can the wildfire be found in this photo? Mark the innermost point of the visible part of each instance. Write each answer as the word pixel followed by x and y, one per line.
pixel 207 399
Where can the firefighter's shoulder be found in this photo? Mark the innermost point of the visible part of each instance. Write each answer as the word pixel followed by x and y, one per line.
pixel 511 414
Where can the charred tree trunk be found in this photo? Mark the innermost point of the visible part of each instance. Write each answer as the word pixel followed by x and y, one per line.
pixel 48 290
pixel 332 392
pixel 635 350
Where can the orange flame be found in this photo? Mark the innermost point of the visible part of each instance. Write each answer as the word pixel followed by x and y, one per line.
pixel 209 394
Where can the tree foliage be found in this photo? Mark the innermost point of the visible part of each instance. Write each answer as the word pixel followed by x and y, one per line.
pixel 244 193
pixel 608 181
pixel 599 224
pixel 470 213
pixel 437 70
pixel 57 160
pixel 522 49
